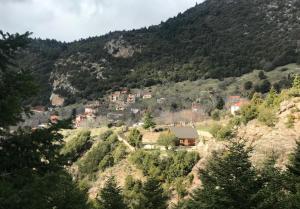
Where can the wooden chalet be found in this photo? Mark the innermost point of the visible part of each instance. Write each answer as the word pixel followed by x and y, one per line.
pixel 187 136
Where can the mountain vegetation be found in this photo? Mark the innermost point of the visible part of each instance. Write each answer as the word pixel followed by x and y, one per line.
pixel 215 39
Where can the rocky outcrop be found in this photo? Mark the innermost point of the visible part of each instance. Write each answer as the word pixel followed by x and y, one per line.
pixel 56 100
pixel 120 48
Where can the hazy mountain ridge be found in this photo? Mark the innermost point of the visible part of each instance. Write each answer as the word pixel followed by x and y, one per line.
pixel 215 39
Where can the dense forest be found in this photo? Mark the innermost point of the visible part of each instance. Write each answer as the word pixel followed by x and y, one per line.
pixel 215 39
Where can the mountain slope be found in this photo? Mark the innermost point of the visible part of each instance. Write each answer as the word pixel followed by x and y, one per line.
pixel 215 39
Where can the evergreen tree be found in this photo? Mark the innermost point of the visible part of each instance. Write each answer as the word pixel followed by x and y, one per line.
pixel 16 85
pixel 133 193
pixel 153 195
pixel 294 167
pixel 135 138
pixel 111 196
pixel 148 121
pixel 271 98
pixel 32 171
pixel 229 181
pixel 272 193
pixel 296 82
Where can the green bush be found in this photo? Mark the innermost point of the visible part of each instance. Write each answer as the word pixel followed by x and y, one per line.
pixel 290 121
pixel 248 113
pixel 267 116
pixel 135 138
pixel 225 133
pixel 215 114
pixel 106 162
pixel 99 156
pixel 167 168
pixel 106 134
pixel 167 140
pixel 248 85
pixel 214 129
pixel 221 132
pixel 119 153
pixel 77 145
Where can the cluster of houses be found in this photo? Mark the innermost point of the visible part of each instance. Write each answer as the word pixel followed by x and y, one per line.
pixel 90 111
pixel 125 97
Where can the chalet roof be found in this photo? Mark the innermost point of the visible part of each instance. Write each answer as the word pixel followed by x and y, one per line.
pixel 184 132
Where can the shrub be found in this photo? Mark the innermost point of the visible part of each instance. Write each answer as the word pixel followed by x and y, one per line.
pixel 167 140
pixel 261 75
pixel 106 162
pixel 290 121
pixel 98 157
pixel 77 145
pixel 119 153
pixel 267 116
pixel 248 85
pixel 248 113
pixel 225 133
pixel 106 134
pixel 168 168
pixel 215 115
pixel 135 138
pixel 214 129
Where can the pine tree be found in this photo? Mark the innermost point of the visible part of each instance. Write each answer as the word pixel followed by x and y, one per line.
pixel 135 138
pixel 153 195
pixel 293 182
pixel 16 85
pixel 271 98
pixel 111 196
pixel 296 82
pixel 148 121
pixel 229 181
pixel 272 193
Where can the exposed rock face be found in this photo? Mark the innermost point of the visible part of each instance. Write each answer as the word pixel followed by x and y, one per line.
pixel 120 48
pixel 56 100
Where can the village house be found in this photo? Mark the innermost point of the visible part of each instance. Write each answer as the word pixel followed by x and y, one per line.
pixel 135 110
pixel 187 136
pixel 131 99
pixel 147 96
pixel 54 119
pixel 232 100
pixel 79 119
pixel 124 91
pixel 38 109
pixel 89 110
pixel 120 106
pixel 114 97
pixel 237 106
pixel 136 92
pixel 196 107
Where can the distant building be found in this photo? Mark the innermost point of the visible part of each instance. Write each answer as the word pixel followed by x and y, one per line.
pixel 90 111
pixel 114 97
pixel 196 107
pixel 135 110
pixel 187 136
pixel 131 98
pixel 124 91
pixel 231 100
pixel 38 109
pixel 79 119
pixel 237 106
pixel 54 119
pixel 147 96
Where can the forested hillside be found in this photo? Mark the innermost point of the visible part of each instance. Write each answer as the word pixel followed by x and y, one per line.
pixel 215 39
